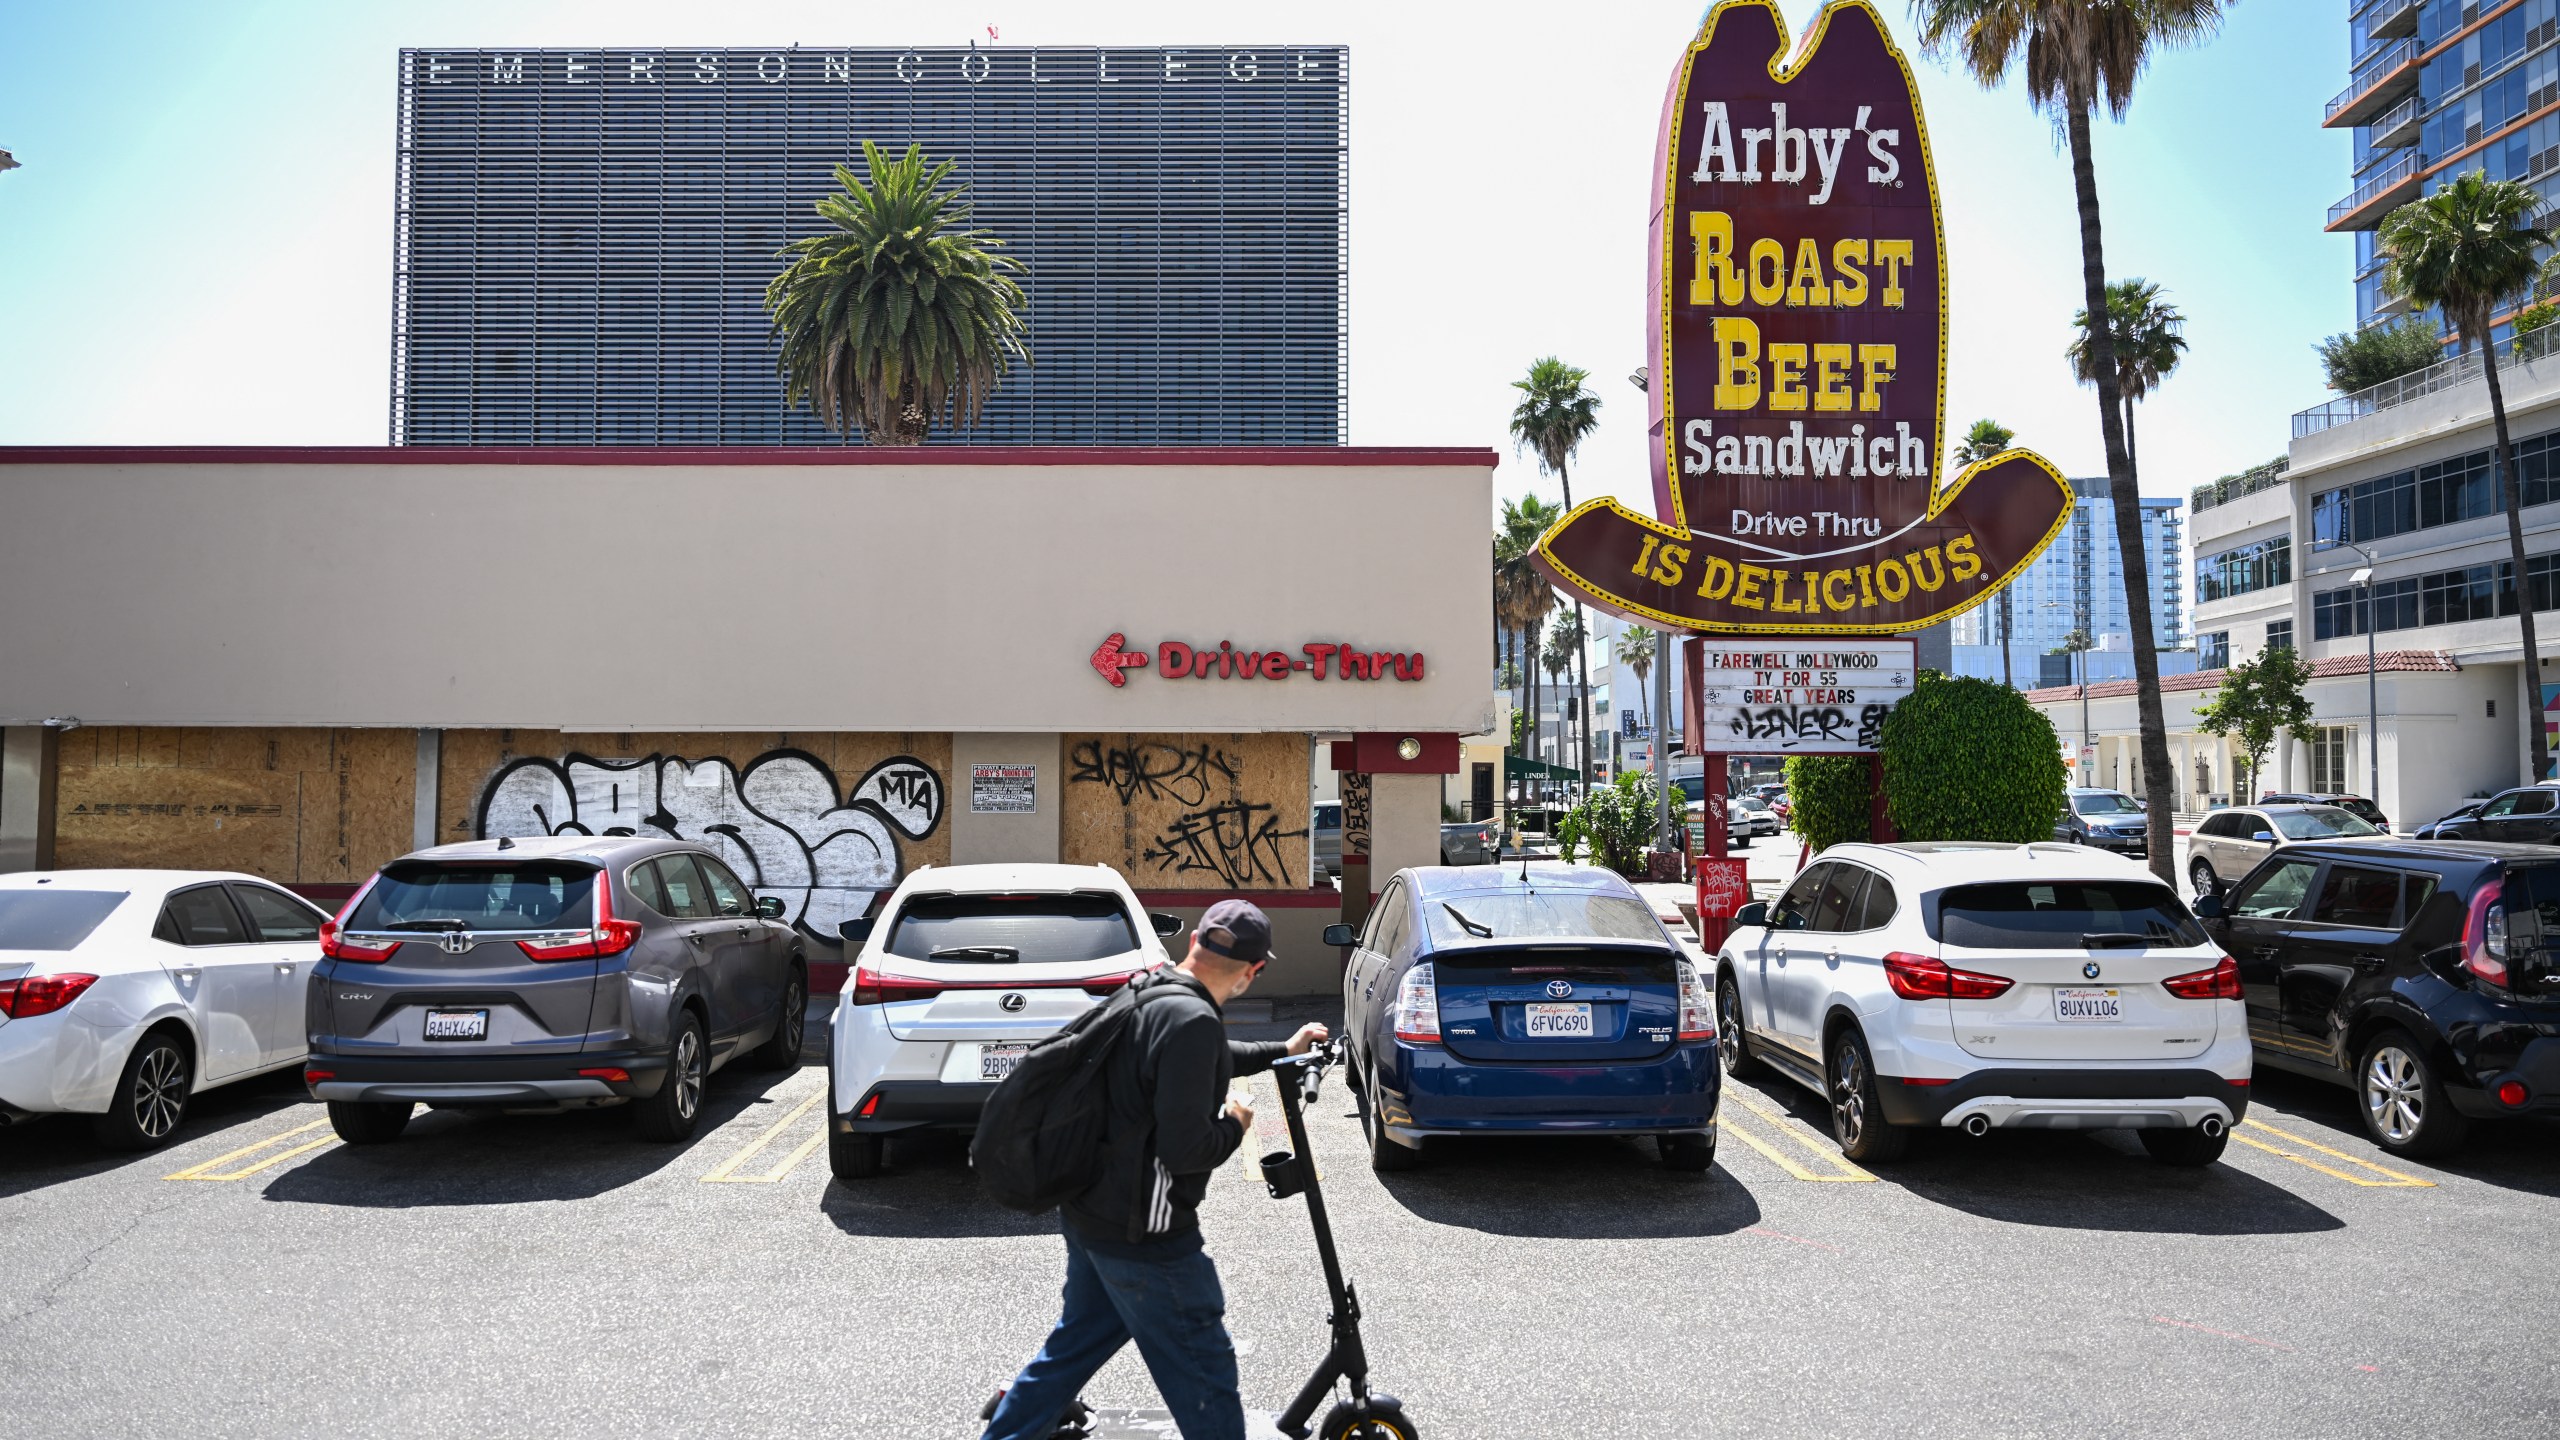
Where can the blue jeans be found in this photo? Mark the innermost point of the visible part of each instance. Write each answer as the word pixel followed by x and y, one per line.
pixel 1166 1297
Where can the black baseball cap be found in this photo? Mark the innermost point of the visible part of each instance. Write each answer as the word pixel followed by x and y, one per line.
pixel 1237 930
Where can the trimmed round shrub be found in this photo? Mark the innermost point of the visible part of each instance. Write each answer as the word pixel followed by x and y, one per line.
pixel 1969 760
pixel 1829 799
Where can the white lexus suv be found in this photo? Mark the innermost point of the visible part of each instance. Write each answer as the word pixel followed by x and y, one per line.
pixel 964 968
pixel 1975 986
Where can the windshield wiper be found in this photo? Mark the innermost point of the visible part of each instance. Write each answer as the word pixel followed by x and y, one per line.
pixel 2112 939
pixel 982 954
pixel 1477 928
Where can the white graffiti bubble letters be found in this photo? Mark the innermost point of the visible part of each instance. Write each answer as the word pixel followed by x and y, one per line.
pixel 779 822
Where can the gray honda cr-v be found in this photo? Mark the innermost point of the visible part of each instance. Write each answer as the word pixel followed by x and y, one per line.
pixel 563 972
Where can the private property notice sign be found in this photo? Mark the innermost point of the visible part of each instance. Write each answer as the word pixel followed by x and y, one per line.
pixel 1787 699
pixel 1798 367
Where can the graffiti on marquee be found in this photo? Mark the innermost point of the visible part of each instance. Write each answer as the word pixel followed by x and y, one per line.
pixel 1239 842
pixel 1797 724
pixel 781 822
pixel 1151 770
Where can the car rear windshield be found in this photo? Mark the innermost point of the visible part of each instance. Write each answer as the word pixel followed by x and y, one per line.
pixel 1006 929
pixel 2065 914
pixel 534 895
pixel 1539 914
pixel 53 919
pixel 2320 822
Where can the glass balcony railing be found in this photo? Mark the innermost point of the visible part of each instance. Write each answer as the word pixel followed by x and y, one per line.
pixel 2373 91
pixel 2461 369
pixel 2377 194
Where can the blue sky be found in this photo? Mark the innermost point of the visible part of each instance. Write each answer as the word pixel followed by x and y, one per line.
pixel 198 248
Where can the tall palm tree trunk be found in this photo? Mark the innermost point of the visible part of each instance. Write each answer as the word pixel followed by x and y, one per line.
pixel 2005 678
pixel 2127 499
pixel 2511 486
pixel 1582 653
pixel 2132 466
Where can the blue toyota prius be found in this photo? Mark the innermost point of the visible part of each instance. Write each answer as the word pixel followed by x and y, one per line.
pixel 1536 1000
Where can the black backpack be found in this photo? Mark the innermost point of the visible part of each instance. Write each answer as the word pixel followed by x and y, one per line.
pixel 1039 1140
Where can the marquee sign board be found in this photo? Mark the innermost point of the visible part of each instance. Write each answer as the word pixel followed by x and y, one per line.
pixel 1799 325
pixel 1798 699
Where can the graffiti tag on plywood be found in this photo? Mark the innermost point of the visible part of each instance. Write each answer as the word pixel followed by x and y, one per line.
pixel 781 822
pixel 1238 842
pixel 1152 770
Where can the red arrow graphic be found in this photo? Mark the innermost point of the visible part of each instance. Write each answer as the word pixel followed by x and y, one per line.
pixel 1109 659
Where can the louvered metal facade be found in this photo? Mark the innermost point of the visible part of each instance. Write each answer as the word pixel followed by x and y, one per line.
pixel 583 238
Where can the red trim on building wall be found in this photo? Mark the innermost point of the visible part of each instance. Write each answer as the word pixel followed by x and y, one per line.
pixel 747 455
pixel 1375 753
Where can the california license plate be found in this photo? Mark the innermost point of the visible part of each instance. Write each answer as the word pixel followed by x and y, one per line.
pixel 997 1061
pixel 2088 1007
pixel 1560 1020
pixel 457 1024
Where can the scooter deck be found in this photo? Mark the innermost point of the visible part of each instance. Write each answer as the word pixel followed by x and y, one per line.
pixel 1155 1424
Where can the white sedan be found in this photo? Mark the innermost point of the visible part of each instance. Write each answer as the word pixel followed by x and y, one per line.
pixel 124 992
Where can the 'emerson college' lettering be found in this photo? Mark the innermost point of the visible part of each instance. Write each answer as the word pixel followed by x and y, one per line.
pixel 851 67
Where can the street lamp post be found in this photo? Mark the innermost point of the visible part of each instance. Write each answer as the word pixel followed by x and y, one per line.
pixel 2363 580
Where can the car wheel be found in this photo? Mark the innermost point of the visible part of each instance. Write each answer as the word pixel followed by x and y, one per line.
pixel 2405 1107
pixel 1385 1421
pixel 1857 1113
pixel 1686 1152
pixel 856 1157
pixel 672 1113
pixel 2200 874
pixel 2184 1147
pixel 369 1122
pixel 150 1100
pixel 1739 1062
pixel 1385 1156
pixel 782 1052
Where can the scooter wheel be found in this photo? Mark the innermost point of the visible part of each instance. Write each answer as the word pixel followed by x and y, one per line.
pixel 1383 1421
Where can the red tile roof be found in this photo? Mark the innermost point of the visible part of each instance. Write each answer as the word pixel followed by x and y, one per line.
pixel 2386 662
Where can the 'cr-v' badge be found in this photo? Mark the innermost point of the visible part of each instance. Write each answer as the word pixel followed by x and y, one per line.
pixel 1013 1002
pixel 2090 969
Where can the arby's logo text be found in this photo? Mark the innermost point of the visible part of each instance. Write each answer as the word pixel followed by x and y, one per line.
pixel 1114 658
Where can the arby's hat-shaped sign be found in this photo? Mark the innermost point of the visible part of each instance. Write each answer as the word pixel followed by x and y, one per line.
pixel 1799 329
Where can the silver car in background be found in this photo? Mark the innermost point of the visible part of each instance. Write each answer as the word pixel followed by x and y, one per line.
pixel 2228 844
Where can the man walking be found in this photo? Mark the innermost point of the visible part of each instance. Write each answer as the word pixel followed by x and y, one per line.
pixel 1135 1266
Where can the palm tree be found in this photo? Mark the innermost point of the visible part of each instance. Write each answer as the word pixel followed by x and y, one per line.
pixel 1556 410
pixel 2146 333
pixel 900 316
pixel 2465 250
pixel 2077 55
pixel 1637 646
pixel 1563 649
pixel 1522 596
pixel 1986 439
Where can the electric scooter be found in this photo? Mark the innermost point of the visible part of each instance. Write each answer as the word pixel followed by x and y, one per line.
pixel 1367 1415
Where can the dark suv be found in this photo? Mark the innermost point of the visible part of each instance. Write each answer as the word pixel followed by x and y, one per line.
pixel 2529 814
pixel 554 973
pixel 2425 975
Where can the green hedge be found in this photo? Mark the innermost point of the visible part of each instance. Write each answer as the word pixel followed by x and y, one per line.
pixel 1828 798
pixel 1971 760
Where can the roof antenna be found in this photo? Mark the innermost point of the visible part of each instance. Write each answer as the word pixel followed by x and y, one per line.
pixel 504 843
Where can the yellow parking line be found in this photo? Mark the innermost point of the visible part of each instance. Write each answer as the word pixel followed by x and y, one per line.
pixel 1829 1153
pixel 725 1171
pixel 1788 1164
pixel 2393 1179
pixel 212 1169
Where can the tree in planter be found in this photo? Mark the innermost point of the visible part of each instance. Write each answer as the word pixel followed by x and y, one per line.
pixel 2354 360
pixel 1966 759
pixel 2258 697
pixel 1616 822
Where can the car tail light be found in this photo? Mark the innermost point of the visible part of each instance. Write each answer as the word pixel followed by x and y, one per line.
pixel 2513 1094
pixel 870 987
pixel 2484 936
pixel 1107 985
pixel 1926 977
pixel 2222 982
pixel 610 1074
pixel 609 937
pixel 314 1077
pixel 1697 1005
pixel 333 941
pixel 1417 1010
pixel 33 995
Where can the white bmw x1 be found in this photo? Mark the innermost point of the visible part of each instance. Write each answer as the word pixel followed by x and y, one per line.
pixel 964 969
pixel 1977 987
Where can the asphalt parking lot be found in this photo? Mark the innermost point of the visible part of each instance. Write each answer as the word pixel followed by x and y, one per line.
pixel 551 1275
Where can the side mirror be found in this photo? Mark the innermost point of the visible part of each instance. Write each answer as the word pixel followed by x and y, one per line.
pixel 2264 837
pixel 2207 907
pixel 1167 926
pixel 1756 913
pixel 1340 935
pixel 855 932
pixel 768 907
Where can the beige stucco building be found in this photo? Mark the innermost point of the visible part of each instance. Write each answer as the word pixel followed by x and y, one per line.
pixel 835 664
